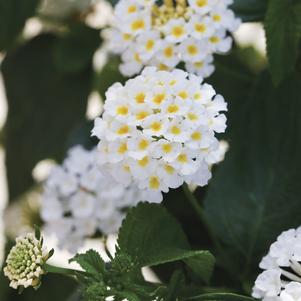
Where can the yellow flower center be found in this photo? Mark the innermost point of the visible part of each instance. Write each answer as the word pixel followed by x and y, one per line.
pixel 183 94
pixel 122 110
pixel 158 99
pixel 168 52
pixel 182 158
pixel 143 162
pixel 137 25
pixel 200 27
pixel 167 148
pixel 192 116
pixel 150 45
pixel 143 144
pixel 154 182
pixel 192 50
pixel 141 115
pixel 173 109
pixel 201 3
pixel 156 126
pixel 123 130
pixel 196 136
pixel 217 18
pixel 122 148
pixel 178 31
pixel 126 36
pixel 140 97
pixel 214 39
pixel 169 169
pixel 175 130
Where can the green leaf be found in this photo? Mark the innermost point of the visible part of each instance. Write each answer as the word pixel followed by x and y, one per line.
pixel 74 50
pixel 255 193
pixel 44 107
pixel 151 236
pixel 90 261
pixel 108 76
pixel 13 14
pixel 250 10
pixel 283 33
pixel 221 297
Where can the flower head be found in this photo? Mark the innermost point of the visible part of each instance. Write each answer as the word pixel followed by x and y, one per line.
pixel 158 130
pixel 147 34
pixel 281 278
pixel 80 200
pixel 24 264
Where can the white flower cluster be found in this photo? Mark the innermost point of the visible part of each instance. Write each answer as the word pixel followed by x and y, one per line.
pixel 158 131
pixel 25 262
pixel 281 278
pixel 178 31
pixel 80 199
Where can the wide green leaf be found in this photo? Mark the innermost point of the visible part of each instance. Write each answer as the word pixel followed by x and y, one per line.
pixel 90 261
pixel 255 193
pixel 151 236
pixel 250 10
pixel 44 107
pixel 283 33
pixel 13 14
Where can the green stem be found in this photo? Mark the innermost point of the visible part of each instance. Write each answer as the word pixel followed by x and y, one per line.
pixel 200 212
pixel 57 270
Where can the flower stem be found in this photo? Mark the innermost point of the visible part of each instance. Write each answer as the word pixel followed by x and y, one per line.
pixel 200 212
pixel 58 270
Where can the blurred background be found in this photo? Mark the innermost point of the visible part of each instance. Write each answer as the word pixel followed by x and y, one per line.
pixel 46 107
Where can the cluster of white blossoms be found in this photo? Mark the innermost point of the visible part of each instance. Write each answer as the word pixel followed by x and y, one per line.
pixel 158 130
pixel 81 200
pixel 148 34
pixel 24 264
pixel 281 278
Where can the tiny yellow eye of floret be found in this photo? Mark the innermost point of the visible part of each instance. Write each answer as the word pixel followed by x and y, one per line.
pixel 168 52
pixel 178 31
pixel 217 18
pixel 141 115
pixel 183 94
pixel 122 148
pixel 173 109
pixel 156 126
pixel 158 99
pixel 143 162
pixel 140 97
pixel 137 25
pixel 172 82
pixel 192 50
pixel 192 116
pixel 214 39
pixel 199 64
pixel 197 96
pixel 167 148
pixel 200 27
pixel 154 182
pixel 126 168
pixel 201 3
pixel 126 36
pixel 175 130
pixel 122 110
pixel 169 169
pixel 196 136
pixel 143 144
pixel 182 158
pixel 123 130
pixel 137 57
pixel 132 9
pixel 162 67
pixel 150 44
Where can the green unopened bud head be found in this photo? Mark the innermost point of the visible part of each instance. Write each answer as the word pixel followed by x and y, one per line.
pixel 24 263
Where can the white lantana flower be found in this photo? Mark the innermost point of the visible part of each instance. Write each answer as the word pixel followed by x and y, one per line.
pixel 80 200
pixel 148 34
pixel 24 263
pixel 281 278
pixel 158 131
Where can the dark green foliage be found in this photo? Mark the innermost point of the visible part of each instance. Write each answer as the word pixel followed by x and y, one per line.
pixel 13 14
pixel 250 10
pixel 44 106
pixel 260 176
pixel 283 32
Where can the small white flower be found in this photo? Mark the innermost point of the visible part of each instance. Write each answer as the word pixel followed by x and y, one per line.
pixel 167 135
pixel 146 33
pixel 24 263
pixel 95 198
pixel 281 279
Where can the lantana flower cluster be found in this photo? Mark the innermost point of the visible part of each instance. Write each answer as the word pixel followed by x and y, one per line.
pixel 24 264
pixel 281 278
pixel 81 200
pixel 158 131
pixel 149 34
